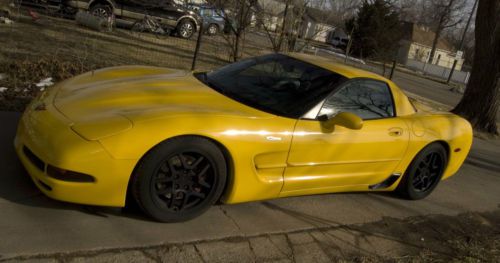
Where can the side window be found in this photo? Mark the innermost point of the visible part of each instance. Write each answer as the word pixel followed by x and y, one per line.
pixel 369 99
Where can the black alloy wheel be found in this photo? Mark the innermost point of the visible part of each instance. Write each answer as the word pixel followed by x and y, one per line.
pixel 179 179
pixel 424 172
pixel 428 171
pixel 183 180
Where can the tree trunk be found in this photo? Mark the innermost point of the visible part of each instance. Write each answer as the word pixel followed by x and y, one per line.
pixel 480 102
pixel 236 48
pixel 435 41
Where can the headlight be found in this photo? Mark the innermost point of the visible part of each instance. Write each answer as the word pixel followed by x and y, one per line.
pixel 99 128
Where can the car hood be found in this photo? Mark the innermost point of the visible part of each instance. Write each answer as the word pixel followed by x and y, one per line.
pixel 139 93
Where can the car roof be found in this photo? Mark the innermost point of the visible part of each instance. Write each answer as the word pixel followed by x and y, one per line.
pixel 347 71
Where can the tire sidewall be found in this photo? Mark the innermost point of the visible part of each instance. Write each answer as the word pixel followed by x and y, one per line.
pixel 146 172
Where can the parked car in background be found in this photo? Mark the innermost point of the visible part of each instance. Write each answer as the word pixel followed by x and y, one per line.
pixel 340 42
pixel 168 13
pixel 213 19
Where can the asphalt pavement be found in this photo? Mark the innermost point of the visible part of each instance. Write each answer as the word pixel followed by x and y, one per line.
pixel 32 224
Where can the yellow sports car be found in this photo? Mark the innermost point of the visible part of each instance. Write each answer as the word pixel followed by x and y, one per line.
pixel 271 126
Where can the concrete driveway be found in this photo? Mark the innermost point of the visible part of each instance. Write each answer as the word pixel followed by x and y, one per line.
pixel 32 224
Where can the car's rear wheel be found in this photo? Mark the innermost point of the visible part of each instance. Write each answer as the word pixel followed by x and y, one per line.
pixel 424 173
pixel 179 179
pixel 101 10
pixel 186 28
pixel 213 29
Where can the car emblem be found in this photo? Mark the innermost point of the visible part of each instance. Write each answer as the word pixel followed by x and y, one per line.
pixel 39 106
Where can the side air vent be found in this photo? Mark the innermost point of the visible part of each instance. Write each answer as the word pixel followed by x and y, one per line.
pixel 386 183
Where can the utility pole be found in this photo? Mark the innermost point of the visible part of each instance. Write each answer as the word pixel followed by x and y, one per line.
pixel 283 24
pixel 462 41
pixel 349 43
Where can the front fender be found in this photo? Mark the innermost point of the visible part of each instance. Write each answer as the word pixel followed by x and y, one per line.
pixel 448 129
pixel 258 162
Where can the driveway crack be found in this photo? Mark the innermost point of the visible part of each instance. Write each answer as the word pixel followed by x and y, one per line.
pixel 231 219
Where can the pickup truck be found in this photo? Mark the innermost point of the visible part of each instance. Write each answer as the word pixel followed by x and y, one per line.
pixel 169 13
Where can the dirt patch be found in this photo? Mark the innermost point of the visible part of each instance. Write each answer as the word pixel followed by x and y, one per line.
pixel 471 237
pixel 31 50
pixel 21 76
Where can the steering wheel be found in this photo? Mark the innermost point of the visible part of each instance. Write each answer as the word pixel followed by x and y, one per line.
pixel 286 85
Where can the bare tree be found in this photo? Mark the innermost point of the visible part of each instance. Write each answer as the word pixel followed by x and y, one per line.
pixel 443 14
pixel 238 17
pixel 480 102
pixel 269 13
pixel 344 9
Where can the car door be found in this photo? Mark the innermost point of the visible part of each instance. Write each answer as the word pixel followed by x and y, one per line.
pixel 327 160
pixel 133 10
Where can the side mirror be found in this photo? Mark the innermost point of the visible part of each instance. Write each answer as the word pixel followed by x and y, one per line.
pixel 344 119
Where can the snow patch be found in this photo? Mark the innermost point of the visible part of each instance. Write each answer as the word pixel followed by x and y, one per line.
pixel 45 83
pixel 5 20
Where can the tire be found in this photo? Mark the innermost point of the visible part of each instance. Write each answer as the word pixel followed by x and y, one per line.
pixel 424 172
pixel 101 10
pixel 213 29
pixel 186 28
pixel 196 183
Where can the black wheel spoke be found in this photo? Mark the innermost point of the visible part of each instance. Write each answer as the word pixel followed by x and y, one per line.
pixel 204 170
pixel 183 181
pixel 434 161
pixel 163 179
pixel 198 194
pixel 183 161
pixel 417 184
pixel 164 191
pixel 198 161
pixel 173 171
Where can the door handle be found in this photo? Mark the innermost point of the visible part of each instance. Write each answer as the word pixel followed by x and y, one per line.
pixel 395 131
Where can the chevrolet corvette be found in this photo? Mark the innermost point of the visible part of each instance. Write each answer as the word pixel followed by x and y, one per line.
pixel 277 125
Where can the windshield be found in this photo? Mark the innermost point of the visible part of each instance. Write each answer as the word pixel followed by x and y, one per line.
pixel 274 83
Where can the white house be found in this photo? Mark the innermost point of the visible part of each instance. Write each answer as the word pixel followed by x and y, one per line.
pixel 417 45
pixel 317 25
pixel 270 14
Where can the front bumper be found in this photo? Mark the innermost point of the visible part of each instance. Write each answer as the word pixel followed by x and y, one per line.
pixel 45 138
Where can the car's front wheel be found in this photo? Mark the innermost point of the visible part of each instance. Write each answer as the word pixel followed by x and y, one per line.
pixel 179 179
pixel 424 172
pixel 103 11
pixel 186 28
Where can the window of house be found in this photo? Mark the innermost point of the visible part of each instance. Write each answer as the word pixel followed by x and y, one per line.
pixel 369 99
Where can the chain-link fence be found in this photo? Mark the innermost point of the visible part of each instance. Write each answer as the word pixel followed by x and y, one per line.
pixel 40 43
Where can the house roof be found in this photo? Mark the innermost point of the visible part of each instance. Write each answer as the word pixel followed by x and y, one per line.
pixel 321 16
pixel 425 36
pixel 315 14
pixel 271 7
